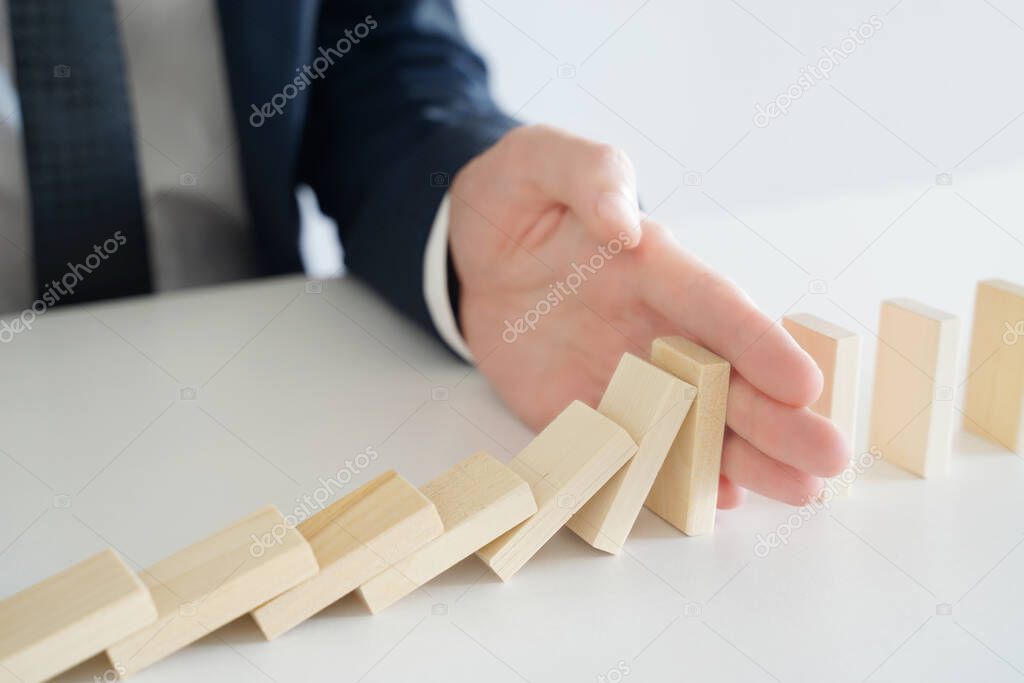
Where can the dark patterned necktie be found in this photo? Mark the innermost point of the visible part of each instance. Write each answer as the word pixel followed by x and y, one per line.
pixel 89 234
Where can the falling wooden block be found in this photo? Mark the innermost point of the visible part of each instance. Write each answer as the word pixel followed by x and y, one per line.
pixel 71 616
pixel 565 465
pixel 353 540
pixel 836 351
pixel 650 405
pixel 915 371
pixel 478 500
pixel 199 589
pixel 685 492
pixel 994 408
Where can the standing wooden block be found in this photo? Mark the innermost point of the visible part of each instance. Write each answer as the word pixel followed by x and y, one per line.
pixel 650 405
pixel 836 351
pixel 565 465
pixel 69 617
pixel 478 500
pixel 686 491
pixel 199 589
pixel 995 386
pixel 353 540
pixel 915 371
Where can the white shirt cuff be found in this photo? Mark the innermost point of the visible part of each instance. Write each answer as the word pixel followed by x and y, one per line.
pixel 435 283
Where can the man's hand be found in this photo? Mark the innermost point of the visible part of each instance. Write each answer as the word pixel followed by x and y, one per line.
pixel 559 277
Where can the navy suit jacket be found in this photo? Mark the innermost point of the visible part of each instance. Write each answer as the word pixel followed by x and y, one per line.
pixel 377 125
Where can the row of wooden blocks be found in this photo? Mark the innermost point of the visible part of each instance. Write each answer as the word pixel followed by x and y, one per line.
pixel 591 470
pixel 655 439
pixel 915 377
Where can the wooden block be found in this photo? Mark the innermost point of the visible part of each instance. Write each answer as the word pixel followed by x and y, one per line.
pixel 836 351
pixel 686 491
pixel 565 465
pixel 650 405
pixel 915 372
pixel 994 407
pixel 70 617
pixel 353 540
pixel 478 500
pixel 199 589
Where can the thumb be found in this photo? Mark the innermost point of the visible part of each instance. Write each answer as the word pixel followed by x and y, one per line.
pixel 596 181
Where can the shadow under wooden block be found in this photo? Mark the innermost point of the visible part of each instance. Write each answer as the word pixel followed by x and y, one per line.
pixel 565 465
pixel 200 588
pixel 915 372
pixel 836 352
pixel 478 500
pixel 354 539
pixel 994 408
pixel 71 616
pixel 650 405
pixel 685 493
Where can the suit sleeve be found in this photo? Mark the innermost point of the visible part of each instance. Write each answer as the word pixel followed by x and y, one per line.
pixel 404 105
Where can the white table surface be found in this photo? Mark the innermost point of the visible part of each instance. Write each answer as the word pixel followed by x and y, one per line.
pixel 99 449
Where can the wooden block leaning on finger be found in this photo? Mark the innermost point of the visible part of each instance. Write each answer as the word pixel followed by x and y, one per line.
pixel 565 465
pixel 995 377
pixel 685 492
pixel 199 589
pixel 478 500
pixel 650 405
pixel 915 371
pixel 354 539
pixel 69 617
pixel 836 351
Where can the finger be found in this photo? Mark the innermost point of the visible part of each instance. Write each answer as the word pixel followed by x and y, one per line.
pixel 596 181
pixel 729 494
pixel 794 436
pixel 722 317
pixel 748 467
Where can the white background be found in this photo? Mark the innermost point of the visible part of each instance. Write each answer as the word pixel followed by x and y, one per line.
pixel 852 168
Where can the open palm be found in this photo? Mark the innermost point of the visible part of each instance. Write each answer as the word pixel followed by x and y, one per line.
pixel 559 277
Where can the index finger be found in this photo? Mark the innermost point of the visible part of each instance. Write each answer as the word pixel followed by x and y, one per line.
pixel 720 316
